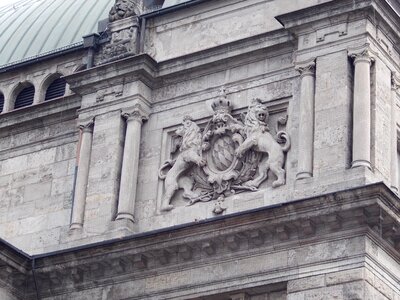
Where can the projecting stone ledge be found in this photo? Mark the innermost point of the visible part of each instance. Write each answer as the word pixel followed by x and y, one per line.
pixel 342 230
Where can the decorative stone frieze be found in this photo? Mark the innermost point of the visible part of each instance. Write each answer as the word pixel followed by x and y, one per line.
pixel 127 193
pixel 363 58
pixel 78 208
pixel 209 248
pixel 241 296
pixel 233 242
pixel 394 171
pixel 116 91
pixel 123 42
pixel 257 237
pixel 226 156
pixel 363 212
pixel 306 124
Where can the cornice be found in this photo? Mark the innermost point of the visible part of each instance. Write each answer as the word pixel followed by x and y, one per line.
pixel 41 110
pixel 331 217
pixel 155 74
pixel 329 14
pixel 140 67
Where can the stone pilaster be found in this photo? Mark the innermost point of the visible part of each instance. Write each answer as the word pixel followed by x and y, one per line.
pixel 394 172
pixel 306 129
pixel 78 208
pixel 130 163
pixel 362 108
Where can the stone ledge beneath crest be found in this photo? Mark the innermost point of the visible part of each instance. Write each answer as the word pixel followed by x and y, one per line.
pixel 338 231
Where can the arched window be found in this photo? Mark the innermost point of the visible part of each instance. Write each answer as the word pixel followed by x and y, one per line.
pixel 56 89
pixel 1 102
pixel 25 96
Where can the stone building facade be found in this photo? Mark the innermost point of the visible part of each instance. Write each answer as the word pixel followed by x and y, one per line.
pixel 224 149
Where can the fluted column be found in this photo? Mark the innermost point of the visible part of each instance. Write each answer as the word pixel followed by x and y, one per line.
pixel 394 171
pixel 306 126
pixel 78 208
pixel 130 163
pixel 362 109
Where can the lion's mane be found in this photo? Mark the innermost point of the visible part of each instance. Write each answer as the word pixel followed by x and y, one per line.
pixel 191 138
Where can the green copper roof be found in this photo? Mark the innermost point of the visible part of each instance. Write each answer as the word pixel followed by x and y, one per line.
pixel 34 27
pixel 168 3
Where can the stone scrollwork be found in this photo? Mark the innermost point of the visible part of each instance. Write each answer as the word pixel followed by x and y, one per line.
pixel 395 82
pixel 306 69
pixel 122 44
pixel 123 9
pixel 363 54
pixel 229 156
pixel 86 126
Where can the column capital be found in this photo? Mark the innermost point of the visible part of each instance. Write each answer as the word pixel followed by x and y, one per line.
pixel 362 54
pixel 86 125
pixel 137 113
pixel 306 68
pixel 395 82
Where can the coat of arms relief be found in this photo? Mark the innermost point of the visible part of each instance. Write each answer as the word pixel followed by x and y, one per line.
pixel 229 156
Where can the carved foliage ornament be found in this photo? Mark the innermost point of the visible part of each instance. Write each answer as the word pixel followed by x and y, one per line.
pixel 229 156
pixel 123 9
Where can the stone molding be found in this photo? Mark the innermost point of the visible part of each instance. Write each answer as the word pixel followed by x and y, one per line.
pixel 366 211
pixel 23 117
pixel 143 67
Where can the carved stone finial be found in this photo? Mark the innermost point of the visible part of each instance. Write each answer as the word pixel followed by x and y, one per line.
pixel 123 9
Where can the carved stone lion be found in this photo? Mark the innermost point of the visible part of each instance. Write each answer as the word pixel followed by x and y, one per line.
pixel 123 9
pixel 190 155
pixel 259 139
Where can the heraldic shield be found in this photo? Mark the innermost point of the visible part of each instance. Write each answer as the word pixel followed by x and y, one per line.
pixel 229 156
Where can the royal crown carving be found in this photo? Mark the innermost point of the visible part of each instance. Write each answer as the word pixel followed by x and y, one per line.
pixel 229 156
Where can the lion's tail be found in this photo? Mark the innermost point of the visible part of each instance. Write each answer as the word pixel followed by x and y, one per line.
pixel 168 163
pixel 282 136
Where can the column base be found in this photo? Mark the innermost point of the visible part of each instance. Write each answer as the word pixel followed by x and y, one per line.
pixel 125 216
pixel 361 163
pixel 394 189
pixel 303 175
pixel 122 227
pixel 75 226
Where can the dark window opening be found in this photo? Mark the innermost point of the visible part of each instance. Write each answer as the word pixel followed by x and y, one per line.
pixel 25 97
pixel 56 89
pixel 1 102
